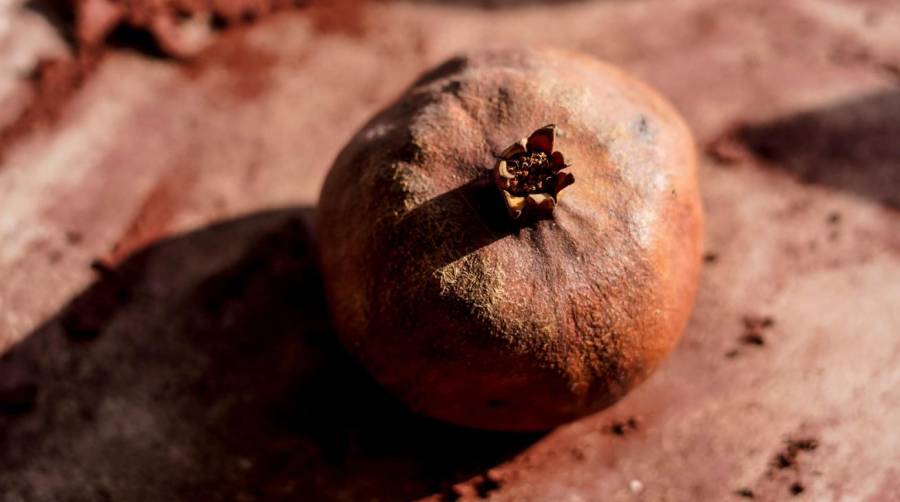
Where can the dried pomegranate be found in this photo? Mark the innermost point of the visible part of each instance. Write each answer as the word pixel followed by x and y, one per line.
pixel 468 305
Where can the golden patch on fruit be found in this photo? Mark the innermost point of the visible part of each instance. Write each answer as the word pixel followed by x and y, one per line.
pixel 478 307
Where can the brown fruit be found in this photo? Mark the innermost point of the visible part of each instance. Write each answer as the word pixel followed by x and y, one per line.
pixel 475 317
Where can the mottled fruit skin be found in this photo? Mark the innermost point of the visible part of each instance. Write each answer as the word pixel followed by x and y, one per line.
pixel 474 318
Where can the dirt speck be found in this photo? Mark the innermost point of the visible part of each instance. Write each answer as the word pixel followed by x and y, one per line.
pixel 487 483
pixel 753 338
pixel 788 457
pixel 796 489
pixel 622 427
pixel 73 238
pixel 754 326
pixel 745 493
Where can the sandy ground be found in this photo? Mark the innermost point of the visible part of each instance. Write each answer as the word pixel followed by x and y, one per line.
pixel 163 324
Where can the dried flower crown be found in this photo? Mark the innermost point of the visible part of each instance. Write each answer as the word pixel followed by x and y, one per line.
pixel 529 174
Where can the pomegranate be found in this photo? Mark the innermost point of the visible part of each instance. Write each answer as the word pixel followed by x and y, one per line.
pixel 497 272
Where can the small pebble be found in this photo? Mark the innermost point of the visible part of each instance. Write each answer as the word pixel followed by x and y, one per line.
pixel 635 486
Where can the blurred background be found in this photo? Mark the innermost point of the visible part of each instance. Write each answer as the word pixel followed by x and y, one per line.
pixel 162 323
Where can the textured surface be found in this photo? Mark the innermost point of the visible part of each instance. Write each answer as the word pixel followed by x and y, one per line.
pixel 484 322
pixel 190 372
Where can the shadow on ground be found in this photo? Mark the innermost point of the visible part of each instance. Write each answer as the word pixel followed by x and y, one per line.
pixel 852 146
pixel 205 368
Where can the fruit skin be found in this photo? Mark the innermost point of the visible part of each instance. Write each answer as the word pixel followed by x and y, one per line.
pixel 473 318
